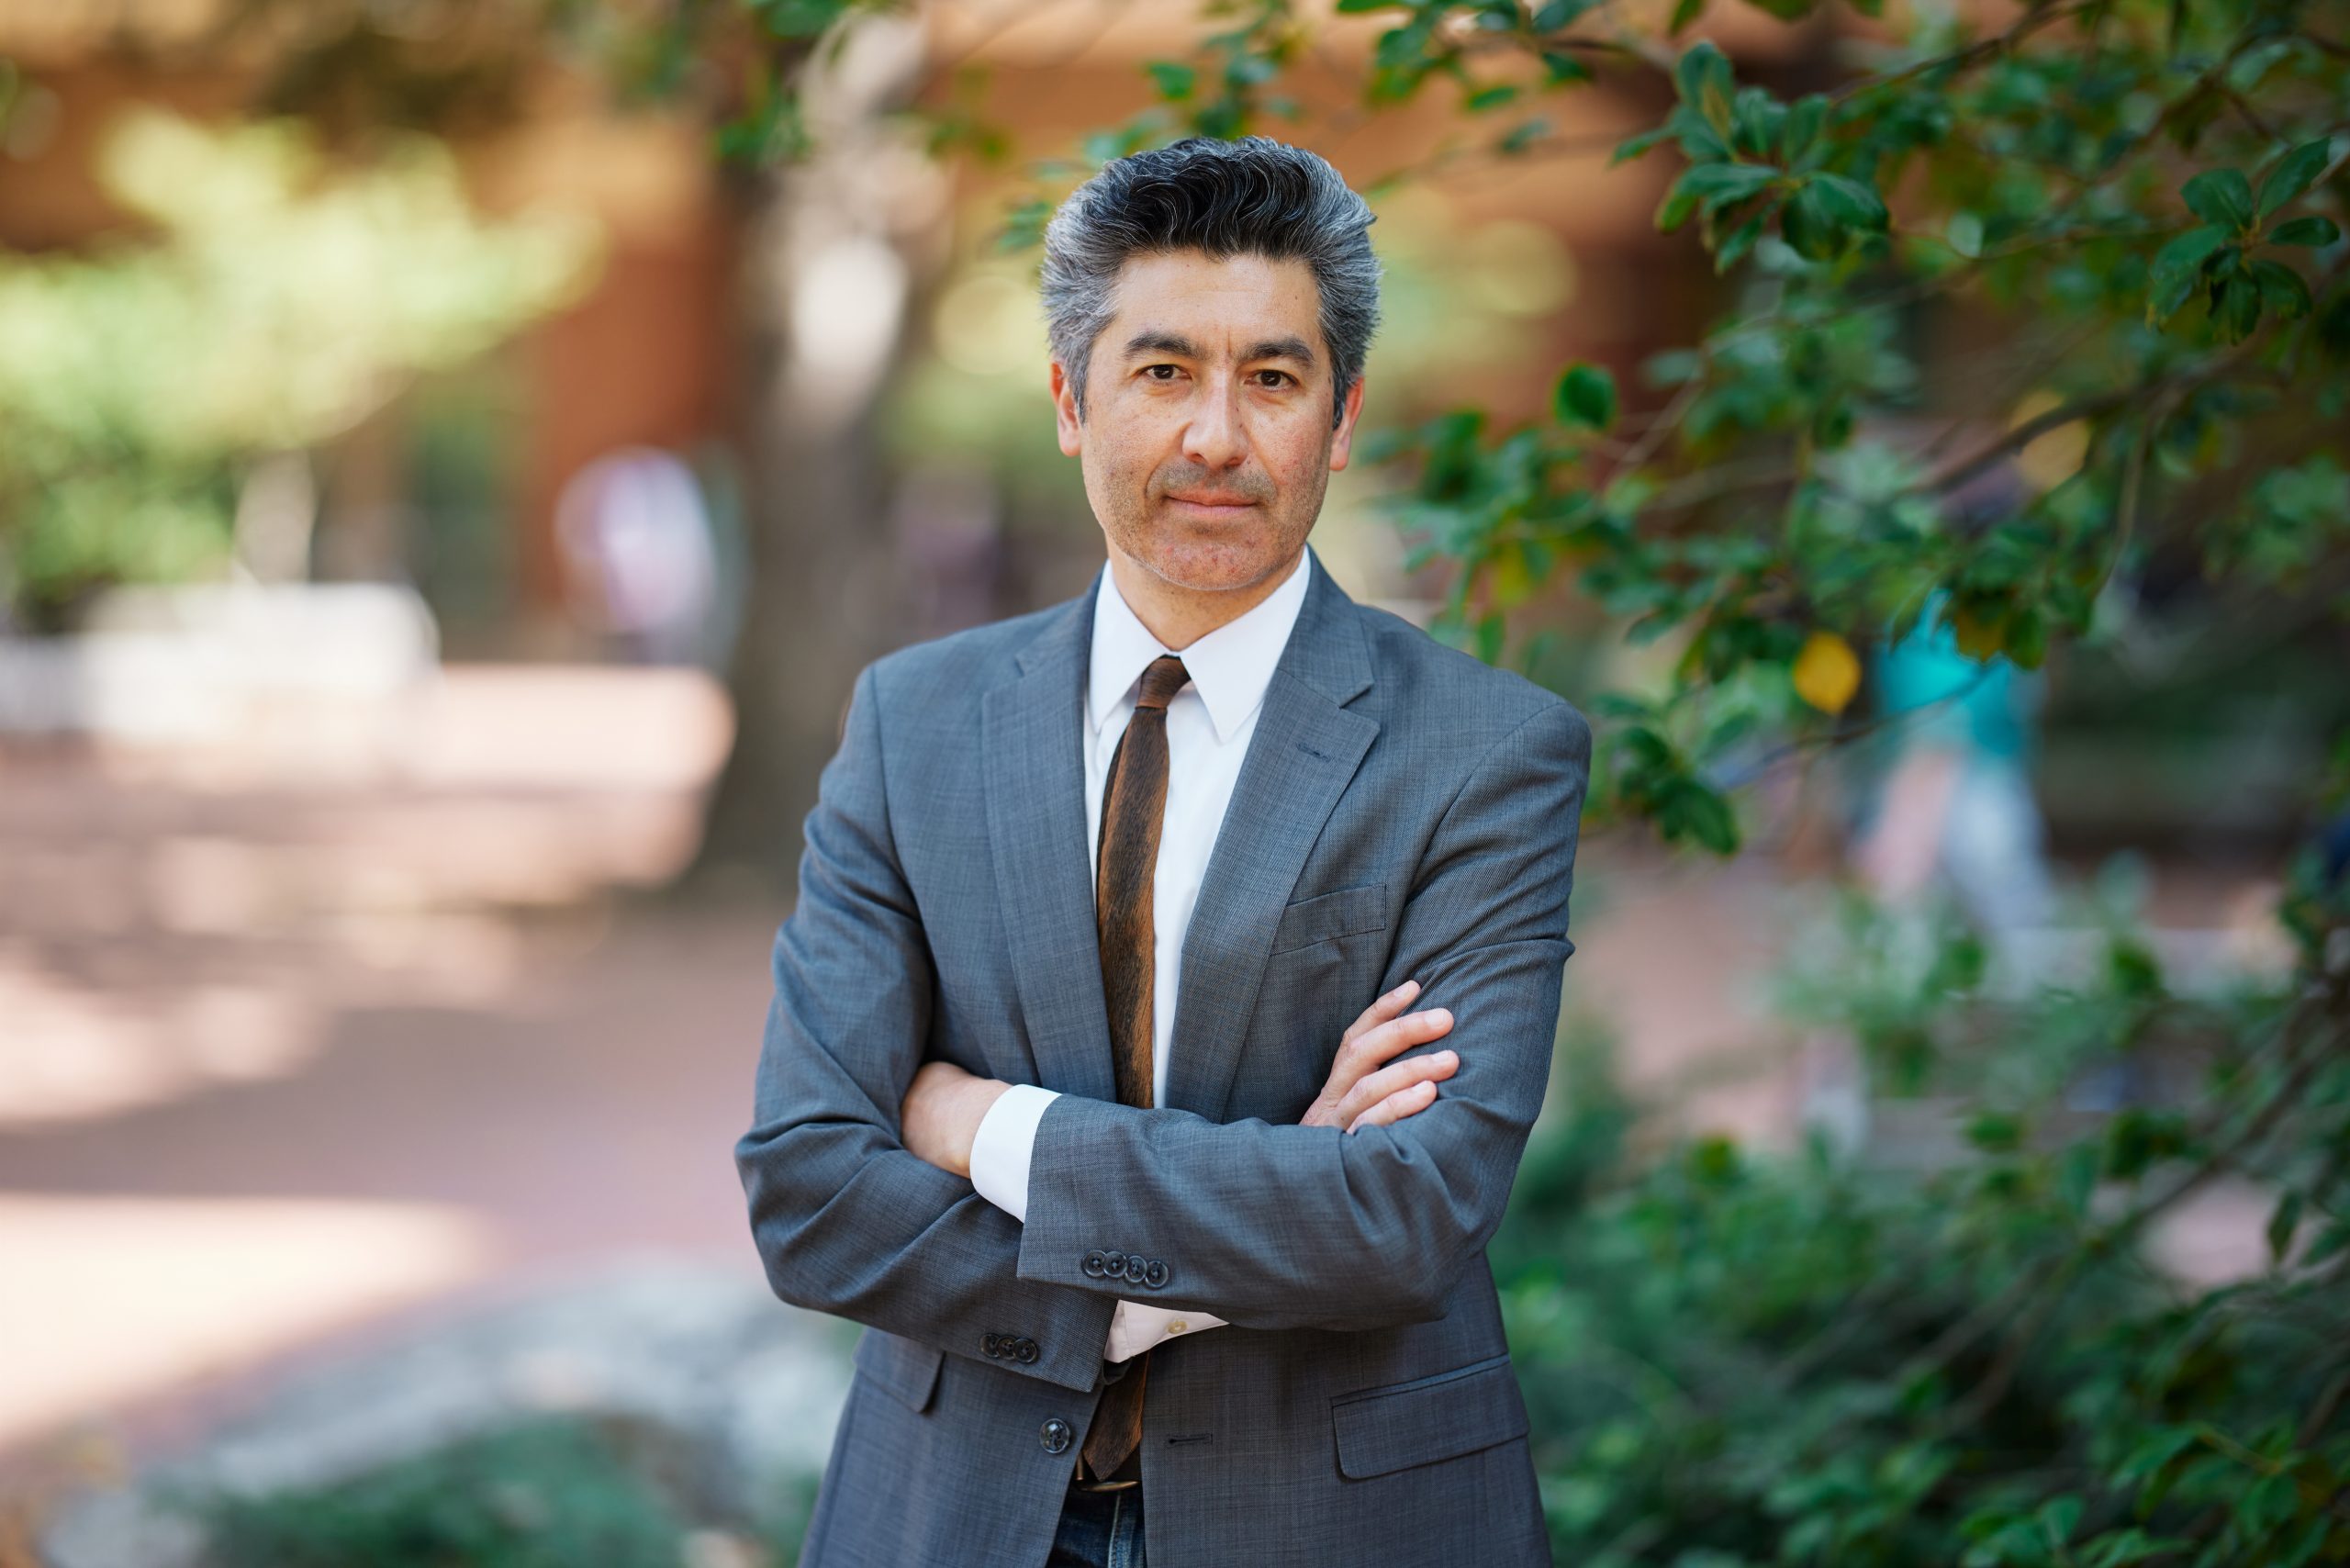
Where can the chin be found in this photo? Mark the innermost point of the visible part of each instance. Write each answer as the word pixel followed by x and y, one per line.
pixel 1209 566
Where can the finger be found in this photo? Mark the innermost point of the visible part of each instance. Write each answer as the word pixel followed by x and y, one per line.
pixel 1383 1009
pixel 1388 1080
pixel 1396 1106
pixel 1392 1038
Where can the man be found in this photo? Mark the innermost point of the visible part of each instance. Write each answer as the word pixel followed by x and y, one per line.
pixel 1059 1094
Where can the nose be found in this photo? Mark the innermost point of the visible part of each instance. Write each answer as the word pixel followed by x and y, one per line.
pixel 1215 439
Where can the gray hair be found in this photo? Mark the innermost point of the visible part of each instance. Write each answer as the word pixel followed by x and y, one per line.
pixel 1252 197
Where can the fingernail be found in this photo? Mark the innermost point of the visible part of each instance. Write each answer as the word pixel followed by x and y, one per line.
pixel 1448 1058
pixel 1440 1014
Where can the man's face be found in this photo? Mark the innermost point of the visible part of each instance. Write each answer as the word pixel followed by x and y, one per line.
pixel 1207 442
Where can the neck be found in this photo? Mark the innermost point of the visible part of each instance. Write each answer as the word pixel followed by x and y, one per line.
pixel 1179 616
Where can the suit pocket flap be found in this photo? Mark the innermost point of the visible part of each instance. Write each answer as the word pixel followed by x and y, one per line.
pixel 1458 1412
pixel 1326 916
pixel 907 1370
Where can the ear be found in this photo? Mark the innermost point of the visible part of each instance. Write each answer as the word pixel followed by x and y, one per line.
pixel 1342 444
pixel 1065 418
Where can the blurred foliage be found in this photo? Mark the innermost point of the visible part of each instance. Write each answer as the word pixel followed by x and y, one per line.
pixel 1954 1345
pixel 270 304
pixel 549 1494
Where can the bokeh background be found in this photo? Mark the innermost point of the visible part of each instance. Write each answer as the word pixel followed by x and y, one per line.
pixel 443 496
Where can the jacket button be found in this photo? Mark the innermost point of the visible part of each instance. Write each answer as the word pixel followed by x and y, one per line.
pixel 1056 1436
pixel 1096 1264
pixel 1138 1269
pixel 1113 1266
pixel 1025 1351
pixel 1155 1276
pixel 992 1343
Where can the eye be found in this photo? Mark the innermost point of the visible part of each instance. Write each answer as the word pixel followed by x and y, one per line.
pixel 1280 378
pixel 1152 370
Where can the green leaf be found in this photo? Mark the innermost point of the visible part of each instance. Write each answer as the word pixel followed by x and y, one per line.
pixel 2235 308
pixel 1717 184
pixel 1174 80
pixel 1357 7
pixel 2177 268
pixel 1801 128
pixel 2219 195
pixel 1850 202
pixel 2076 1176
pixel 1560 70
pixel 2282 1225
pixel 1737 242
pixel 1755 118
pixel 1687 809
pixel 1558 13
pixel 2293 174
pixel 2154 1455
pixel 1491 97
pixel 1586 396
pixel 1633 146
pixel 2309 228
pixel 2282 289
pixel 1523 134
pixel 801 18
pixel 1810 229
pixel 1995 1131
pixel 2135 1545
pixel 1702 69
pixel 1684 13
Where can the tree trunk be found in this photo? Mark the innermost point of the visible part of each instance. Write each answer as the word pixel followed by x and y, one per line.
pixel 826 284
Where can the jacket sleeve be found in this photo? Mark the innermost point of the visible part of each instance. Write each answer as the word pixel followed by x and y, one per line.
pixel 845 1220
pixel 1292 1226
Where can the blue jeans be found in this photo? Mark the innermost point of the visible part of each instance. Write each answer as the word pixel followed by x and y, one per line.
pixel 1100 1529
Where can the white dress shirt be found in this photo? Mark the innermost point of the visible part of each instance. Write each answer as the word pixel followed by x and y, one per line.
pixel 1208 726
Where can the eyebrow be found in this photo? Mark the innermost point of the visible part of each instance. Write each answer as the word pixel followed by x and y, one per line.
pixel 1151 340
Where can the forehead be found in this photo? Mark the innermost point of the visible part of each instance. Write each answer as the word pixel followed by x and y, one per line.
pixel 1219 302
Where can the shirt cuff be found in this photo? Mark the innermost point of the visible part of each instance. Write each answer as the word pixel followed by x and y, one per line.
pixel 1136 1328
pixel 1000 1149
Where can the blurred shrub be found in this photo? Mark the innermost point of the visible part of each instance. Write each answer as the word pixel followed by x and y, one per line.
pixel 555 1493
pixel 272 302
pixel 1954 1346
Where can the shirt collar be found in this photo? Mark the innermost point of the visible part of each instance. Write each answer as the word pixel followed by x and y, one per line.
pixel 1229 668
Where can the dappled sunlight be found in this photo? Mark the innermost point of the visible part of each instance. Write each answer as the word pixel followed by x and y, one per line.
pixel 196 915
pixel 131 1296
pixel 73 1054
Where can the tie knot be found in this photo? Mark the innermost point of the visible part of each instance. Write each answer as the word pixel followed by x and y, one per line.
pixel 1161 681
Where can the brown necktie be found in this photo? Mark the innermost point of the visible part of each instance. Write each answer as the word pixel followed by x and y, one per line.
pixel 1133 803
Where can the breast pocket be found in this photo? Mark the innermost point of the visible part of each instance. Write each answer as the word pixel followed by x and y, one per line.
pixel 1326 917
pixel 1451 1413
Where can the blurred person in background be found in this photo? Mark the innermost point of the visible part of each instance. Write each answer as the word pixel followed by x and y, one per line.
pixel 639 558
pixel 1953 810
pixel 1088 1083
pixel 1956 803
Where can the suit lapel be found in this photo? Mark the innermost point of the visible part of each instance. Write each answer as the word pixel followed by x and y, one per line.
pixel 1034 760
pixel 1306 750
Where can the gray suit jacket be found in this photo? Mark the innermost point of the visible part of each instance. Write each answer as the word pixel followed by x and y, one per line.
pixel 1404 812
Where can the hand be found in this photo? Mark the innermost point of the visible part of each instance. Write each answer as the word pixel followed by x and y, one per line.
pixel 1356 1096
pixel 942 1112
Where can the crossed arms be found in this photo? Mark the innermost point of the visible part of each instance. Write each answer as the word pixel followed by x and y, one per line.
pixel 1266 1226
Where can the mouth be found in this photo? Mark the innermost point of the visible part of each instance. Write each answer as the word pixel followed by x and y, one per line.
pixel 1213 506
